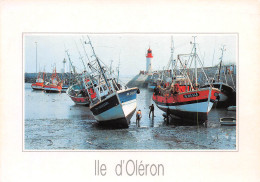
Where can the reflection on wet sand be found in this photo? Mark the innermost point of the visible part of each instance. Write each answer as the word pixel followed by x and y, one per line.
pixel 54 122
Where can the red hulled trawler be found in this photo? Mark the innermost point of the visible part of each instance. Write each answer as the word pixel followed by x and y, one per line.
pixel 79 94
pixel 55 84
pixel 39 84
pixel 183 98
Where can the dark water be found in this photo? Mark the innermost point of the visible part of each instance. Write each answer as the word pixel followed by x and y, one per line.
pixel 54 122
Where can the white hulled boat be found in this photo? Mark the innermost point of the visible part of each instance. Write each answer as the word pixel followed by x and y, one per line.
pixel 114 104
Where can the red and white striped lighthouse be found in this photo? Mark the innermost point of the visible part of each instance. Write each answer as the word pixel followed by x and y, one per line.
pixel 149 58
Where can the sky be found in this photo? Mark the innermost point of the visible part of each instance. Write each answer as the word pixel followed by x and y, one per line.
pixel 130 49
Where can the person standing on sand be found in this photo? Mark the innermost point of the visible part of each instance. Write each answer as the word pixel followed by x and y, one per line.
pixel 151 107
pixel 138 117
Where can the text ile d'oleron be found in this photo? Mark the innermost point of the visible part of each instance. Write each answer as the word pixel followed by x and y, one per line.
pixel 130 168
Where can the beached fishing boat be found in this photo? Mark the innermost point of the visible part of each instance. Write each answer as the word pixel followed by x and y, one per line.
pixel 231 108
pixel 78 95
pixel 227 95
pixel 184 101
pixel 65 83
pixel 114 104
pixel 78 92
pixel 55 85
pixel 183 98
pixel 39 84
pixel 228 121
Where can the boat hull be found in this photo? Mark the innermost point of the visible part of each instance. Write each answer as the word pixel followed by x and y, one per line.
pixel 80 100
pixel 225 96
pixel 188 113
pixel 37 86
pixel 117 109
pixel 193 105
pixel 231 108
pixel 228 121
pixel 64 89
pixel 52 89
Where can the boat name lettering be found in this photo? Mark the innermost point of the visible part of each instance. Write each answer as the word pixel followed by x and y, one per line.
pixel 131 93
pixel 102 105
pixel 191 95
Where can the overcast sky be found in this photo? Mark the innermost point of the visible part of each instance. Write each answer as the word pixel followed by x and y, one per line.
pixel 131 48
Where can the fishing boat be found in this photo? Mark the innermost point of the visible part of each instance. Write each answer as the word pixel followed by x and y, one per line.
pixel 183 98
pixel 227 95
pixel 78 95
pixel 39 84
pixel 228 121
pixel 65 84
pixel 153 81
pixel 64 88
pixel 55 85
pixel 114 104
pixel 231 108
pixel 77 92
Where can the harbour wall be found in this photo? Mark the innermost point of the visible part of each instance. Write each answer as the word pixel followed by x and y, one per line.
pixel 31 77
pixel 141 80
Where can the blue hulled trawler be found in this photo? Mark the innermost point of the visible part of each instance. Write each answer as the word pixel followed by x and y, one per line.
pixel 113 104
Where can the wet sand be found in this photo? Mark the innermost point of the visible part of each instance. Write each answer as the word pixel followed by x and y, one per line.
pixel 54 122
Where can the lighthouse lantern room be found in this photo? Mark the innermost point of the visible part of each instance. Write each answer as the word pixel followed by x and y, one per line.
pixel 149 58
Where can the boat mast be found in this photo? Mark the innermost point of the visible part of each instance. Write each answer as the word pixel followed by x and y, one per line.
pixel 84 49
pixel 195 55
pixel 71 67
pixel 70 61
pixel 118 69
pixel 99 65
pixel 221 58
pixel 80 57
pixel 44 73
pixel 173 63
pixel 36 56
pixel 111 62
